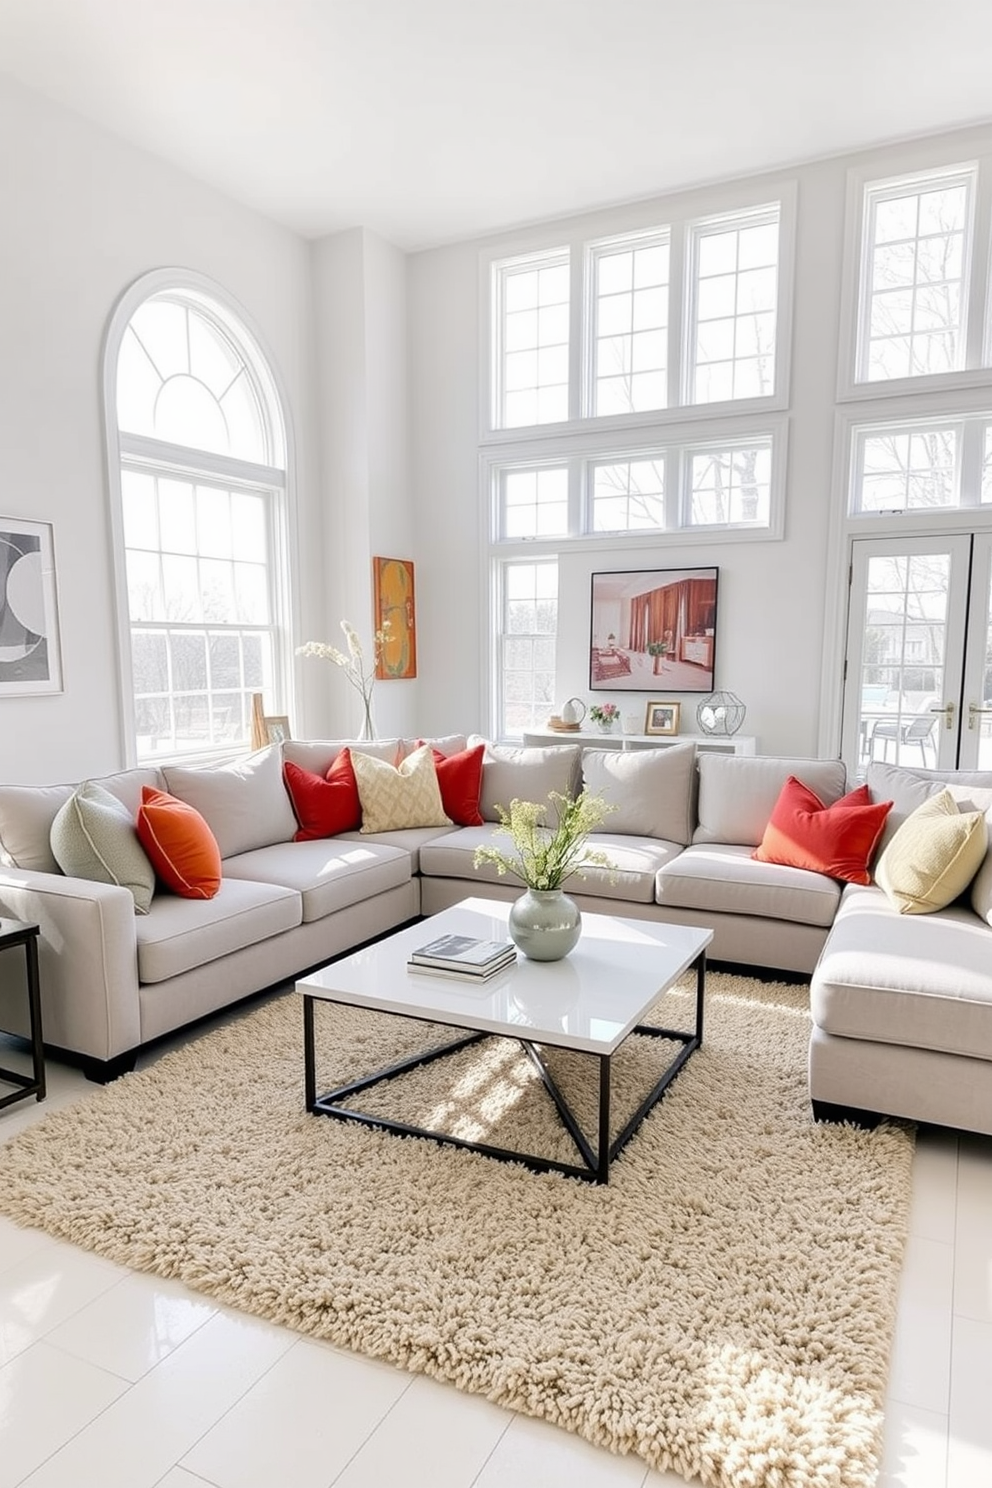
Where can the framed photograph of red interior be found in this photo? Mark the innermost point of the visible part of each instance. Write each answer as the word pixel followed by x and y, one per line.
pixel 653 630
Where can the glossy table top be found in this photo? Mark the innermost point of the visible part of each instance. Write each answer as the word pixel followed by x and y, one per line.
pixel 591 1000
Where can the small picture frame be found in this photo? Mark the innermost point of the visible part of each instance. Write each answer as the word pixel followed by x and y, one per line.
pixel 276 729
pixel 662 718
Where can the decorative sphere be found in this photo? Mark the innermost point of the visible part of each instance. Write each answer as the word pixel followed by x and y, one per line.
pixel 720 713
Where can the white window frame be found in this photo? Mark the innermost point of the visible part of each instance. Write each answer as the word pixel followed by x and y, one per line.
pixel 498 566
pixel 728 205
pixel 142 451
pixel 501 269
pixel 923 165
pixel 674 443
pixel 593 252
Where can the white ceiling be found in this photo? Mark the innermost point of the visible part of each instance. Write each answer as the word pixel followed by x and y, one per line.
pixel 434 120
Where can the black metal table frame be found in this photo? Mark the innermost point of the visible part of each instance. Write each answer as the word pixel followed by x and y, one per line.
pixel 14 933
pixel 595 1166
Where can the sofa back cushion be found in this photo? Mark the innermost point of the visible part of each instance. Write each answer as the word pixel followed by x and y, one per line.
pixel 907 789
pixel 244 803
pixel 28 811
pixel 737 793
pixel 526 774
pixel 651 788
pixel 318 755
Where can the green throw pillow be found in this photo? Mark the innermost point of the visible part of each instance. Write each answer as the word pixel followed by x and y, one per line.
pixel 933 856
pixel 94 837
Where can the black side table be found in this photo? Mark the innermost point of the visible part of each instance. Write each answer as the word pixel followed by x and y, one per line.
pixel 14 933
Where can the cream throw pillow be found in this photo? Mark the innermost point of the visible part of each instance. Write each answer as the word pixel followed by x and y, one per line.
pixel 933 856
pixel 394 797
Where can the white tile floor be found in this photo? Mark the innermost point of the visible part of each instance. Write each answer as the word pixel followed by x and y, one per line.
pixel 110 1379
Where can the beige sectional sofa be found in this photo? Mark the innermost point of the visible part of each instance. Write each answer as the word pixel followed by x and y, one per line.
pixel 902 1005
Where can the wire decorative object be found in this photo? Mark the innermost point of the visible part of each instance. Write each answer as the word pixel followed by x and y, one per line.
pixel 720 713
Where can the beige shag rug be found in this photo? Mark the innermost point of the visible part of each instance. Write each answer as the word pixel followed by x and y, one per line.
pixel 724 1307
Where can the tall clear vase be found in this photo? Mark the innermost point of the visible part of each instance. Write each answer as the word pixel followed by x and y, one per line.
pixel 366 733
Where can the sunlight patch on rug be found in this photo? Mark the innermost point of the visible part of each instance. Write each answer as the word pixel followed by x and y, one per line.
pixel 725 1307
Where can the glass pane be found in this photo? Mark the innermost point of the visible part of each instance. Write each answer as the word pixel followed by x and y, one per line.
pixel 149 661
pixel 189 659
pixel 731 486
pixel 138 383
pixel 245 433
pixel 909 470
pixel 181 583
pixel 188 413
pixel 177 516
pixel 140 510
pixel 212 357
pixel 248 527
pixel 902 668
pixel 160 325
pixel 144 587
pixel 213 522
pixel 251 593
pixel 217 586
pixel 628 496
pixel 225 661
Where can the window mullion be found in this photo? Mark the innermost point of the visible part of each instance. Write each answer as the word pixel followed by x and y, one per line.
pixel 971 458
pixel 679 318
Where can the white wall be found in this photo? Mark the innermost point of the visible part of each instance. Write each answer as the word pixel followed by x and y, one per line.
pixel 773 595
pixel 360 330
pixel 84 216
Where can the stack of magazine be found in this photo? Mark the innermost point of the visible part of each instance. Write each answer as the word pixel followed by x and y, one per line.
pixel 462 956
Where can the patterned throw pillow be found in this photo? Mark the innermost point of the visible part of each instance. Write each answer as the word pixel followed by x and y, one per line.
pixel 93 837
pixel 933 857
pixel 398 796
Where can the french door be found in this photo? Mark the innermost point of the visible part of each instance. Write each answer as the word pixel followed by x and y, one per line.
pixel 918 670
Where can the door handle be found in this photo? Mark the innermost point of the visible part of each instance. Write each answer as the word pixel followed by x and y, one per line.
pixel 948 712
pixel 974 711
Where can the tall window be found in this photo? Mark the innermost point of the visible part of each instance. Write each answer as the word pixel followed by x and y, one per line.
pixel 916 242
pixel 630 324
pixel 735 305
pixel 199 444
pixel 527 627
pixel 531 336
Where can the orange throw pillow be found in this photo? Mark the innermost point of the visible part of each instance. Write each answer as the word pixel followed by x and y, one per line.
pixel 324 804
pixel 459 778
pixel 837 840
pixel 182 848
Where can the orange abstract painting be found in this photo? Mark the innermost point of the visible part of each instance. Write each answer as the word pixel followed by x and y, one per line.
pixel 394 602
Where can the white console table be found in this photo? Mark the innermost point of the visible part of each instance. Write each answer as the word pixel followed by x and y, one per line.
pixel 705 743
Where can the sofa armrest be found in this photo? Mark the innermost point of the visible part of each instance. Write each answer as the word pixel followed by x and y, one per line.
pixel 88 961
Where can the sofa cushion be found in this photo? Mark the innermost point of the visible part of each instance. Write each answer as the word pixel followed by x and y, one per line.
pixel 924 981
pixel 328 875
pixel 244 803
pixel 652 790
pixel 180 934
pixel 182 848
pixel 738 793
pixel 636 863
pixel 907 789
pixel 397 796
pixel 324 805
pixel 94 837
pixel 719 878
pixel 27 813
pixel 933 857
pixel 526 774
pixel 317 755
pixel 838 840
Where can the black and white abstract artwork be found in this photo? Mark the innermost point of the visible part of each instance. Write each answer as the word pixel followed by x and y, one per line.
pixel 30 657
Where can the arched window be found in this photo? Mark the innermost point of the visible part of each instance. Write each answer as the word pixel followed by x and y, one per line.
pixel 198 464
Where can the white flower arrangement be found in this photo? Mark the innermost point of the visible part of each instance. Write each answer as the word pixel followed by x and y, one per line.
pixel 353 664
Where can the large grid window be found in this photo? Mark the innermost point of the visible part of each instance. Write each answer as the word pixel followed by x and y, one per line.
pixel 202 481
pixel 528 625
pixel 630 325
pixel 735 308
pixel 531 314
pixel 913 312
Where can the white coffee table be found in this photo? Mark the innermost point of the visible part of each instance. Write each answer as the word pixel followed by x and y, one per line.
pixel 590 1002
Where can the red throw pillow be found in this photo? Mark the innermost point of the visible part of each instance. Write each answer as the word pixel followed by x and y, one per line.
pixel 324 804
pixel 182 848
pixel 837 840
pixel 459 777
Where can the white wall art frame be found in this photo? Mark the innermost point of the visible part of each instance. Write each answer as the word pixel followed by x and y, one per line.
pixel 30 649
